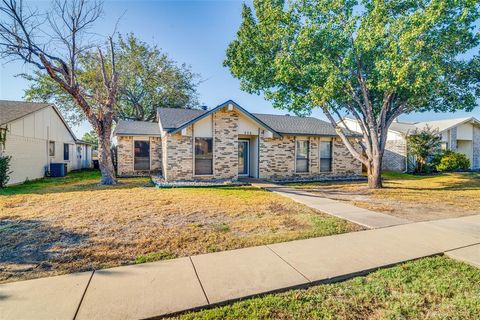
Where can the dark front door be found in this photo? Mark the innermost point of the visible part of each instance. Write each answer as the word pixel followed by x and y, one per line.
pixel 243 157
pixel 142 156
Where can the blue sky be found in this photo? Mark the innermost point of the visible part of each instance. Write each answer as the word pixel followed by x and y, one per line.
pixel 194 32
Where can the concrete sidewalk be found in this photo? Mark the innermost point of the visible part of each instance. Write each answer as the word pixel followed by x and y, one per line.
pixel 159 288
pixel 339 209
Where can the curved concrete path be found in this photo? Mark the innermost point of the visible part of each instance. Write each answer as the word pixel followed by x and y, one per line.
pixel 339 209
pixel 160 288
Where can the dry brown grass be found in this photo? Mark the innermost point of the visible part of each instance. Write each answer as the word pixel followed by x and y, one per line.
pixel 68 225
pixel 417 198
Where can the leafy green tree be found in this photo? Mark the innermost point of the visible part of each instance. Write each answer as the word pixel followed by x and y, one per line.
pixel 147 79
pixel 150 79
pixel 423 145
pixel 91 137
pixel 372 59
pixel 54 42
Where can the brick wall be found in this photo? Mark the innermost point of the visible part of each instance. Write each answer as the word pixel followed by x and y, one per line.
pixel 277 159
pixel 125 153
pixel 225 144
pixel 394 158
pixel 179 156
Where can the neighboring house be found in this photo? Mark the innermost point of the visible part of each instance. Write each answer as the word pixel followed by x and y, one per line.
pixel 37 135
pixel 459 135
pixel 229 142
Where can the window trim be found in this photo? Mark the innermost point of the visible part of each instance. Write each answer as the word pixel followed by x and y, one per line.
pixel 308 156
pixel 51 143
pixel 323 158
pixel 195 158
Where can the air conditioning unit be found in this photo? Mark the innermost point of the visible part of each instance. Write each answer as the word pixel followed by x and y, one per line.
pixel 58 169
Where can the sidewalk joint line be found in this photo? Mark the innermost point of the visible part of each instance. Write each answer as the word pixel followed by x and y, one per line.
pixel 83 295
pixel 199 281
pixel 288 263
pixel 462 247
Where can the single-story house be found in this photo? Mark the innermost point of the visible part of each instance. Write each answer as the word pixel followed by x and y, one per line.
pixel 36 136
pixel 228 142
pixel 460 135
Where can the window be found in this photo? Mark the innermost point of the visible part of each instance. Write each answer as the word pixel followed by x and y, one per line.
pixel 325 156
pixel 203 156
pixel 66 151
pixel 444 145
pixel 302 156
pixel 51 148
pixel 141 161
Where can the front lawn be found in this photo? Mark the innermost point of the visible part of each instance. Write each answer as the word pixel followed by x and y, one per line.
pixel 431 288
pixel 62 225
pixel 416 198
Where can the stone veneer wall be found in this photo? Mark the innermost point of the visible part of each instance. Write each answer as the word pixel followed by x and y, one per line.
pixel 178 156
pixel 225 144
pixel 476 148
pixel 343 161
pixel 125 153
pixel 452 144
pixel 277 159
pixel 394 158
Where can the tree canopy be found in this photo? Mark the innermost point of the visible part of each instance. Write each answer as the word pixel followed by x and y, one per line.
pixel 148 79
pixel 372 59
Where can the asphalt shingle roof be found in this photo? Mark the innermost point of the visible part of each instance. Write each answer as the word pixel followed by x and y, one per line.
pixel 13 110
pixel 127 127
pixel 172 118
pixel 296 125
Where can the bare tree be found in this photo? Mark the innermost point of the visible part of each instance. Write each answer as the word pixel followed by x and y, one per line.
pixel 54 43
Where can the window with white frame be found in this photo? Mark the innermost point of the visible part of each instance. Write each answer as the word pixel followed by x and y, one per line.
pixel 51 148
pixel 302 151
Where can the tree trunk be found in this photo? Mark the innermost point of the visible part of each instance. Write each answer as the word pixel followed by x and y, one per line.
pixel 105 159
pixel 374 171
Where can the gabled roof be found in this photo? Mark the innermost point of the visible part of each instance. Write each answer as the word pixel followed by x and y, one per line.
pixel 402 127
pixel 172 118
pixel 136 128
pixel 200 114
pixel 442 125
pixel 14 110
pixel 285 124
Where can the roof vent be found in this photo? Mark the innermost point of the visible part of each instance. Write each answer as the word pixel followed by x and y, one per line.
pixel 204 108
pixel 287 114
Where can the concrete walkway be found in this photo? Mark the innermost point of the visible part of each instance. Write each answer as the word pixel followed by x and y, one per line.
pixel 159 288
pixel 364 217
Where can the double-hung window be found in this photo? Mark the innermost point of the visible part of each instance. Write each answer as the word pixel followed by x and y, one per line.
pixel 301 161
pixel 203 156
pixel 325 156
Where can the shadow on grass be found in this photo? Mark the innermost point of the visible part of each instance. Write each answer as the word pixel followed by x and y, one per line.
pixel 85 180
pixel 31 246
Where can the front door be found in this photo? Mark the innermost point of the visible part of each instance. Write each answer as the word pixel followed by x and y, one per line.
pixel 243 152
pixel 142 156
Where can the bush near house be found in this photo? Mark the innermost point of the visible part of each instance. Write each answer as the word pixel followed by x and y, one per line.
pixel 4 170
pixel 449 161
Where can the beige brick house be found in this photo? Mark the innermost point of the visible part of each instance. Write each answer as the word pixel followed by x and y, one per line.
pixel 228 142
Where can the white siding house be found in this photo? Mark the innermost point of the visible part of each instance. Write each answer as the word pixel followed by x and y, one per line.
pixel 460 135
pixel 37 135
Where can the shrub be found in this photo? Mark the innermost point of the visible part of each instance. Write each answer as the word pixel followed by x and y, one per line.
pixel 4 170
pixel 422 145
pixel 451 161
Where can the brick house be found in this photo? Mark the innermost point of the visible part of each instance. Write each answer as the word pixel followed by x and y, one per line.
pixel 228 142
pixel 460 135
